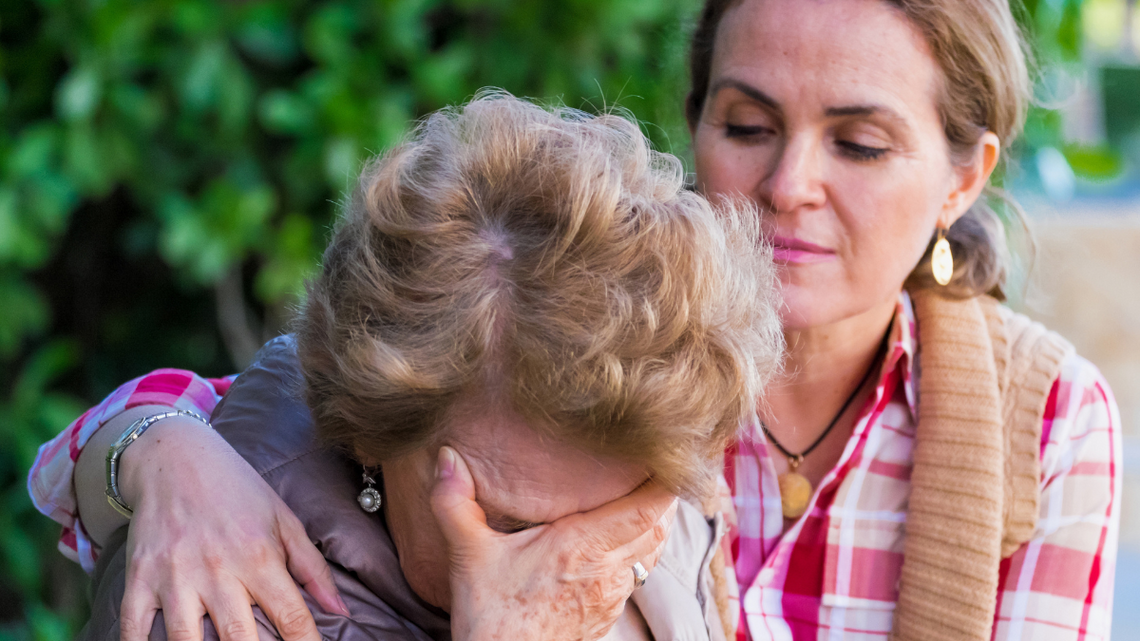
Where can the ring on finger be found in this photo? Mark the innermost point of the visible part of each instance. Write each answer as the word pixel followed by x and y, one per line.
pixel 640 574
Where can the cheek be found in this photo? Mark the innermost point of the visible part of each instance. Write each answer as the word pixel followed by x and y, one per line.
pixel 725 168
pixel 890 215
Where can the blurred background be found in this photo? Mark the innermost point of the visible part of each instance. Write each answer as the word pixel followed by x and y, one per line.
pixel 169 171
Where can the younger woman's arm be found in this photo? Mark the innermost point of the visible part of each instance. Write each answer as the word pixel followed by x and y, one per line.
pixel 50 481
pixel 208 535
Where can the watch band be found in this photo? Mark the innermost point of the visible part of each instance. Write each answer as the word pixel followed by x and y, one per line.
pixel 130 435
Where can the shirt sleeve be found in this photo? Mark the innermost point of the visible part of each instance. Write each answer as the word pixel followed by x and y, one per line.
pixel 50 479
pixel 1058 586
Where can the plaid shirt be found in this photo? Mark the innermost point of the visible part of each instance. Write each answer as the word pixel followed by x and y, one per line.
pixel 846 550
pixel 834 573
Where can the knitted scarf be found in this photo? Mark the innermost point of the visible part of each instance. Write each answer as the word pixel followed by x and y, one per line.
pixel 985 376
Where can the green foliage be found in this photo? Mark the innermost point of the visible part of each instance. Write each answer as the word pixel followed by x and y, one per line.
pixel 152 151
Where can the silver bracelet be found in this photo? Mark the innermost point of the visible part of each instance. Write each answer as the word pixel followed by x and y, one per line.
pixel 130 436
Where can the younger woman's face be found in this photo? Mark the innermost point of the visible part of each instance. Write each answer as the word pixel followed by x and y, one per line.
pixel 824 112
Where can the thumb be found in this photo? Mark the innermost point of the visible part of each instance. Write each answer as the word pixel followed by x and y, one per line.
pixel 460 518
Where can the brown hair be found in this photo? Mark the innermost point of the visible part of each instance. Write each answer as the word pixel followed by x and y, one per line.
pixel 985 86
pixel 554 257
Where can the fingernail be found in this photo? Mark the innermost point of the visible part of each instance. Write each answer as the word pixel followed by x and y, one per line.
pixel 343 606
pixel 445 464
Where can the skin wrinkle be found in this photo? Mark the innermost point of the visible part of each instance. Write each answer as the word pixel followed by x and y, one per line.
pixel 520 475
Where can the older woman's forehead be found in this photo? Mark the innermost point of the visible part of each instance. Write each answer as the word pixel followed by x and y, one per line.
pixel 524 474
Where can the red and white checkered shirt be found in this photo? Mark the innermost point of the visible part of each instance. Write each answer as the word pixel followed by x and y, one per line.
pixel 833 575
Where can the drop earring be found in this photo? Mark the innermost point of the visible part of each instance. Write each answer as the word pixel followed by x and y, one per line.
pixel 369 498
pixel 942 260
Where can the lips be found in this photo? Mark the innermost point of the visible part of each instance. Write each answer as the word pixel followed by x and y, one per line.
pixel 794 251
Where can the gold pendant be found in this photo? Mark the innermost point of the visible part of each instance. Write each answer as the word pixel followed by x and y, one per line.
pixel 941 260
pixel 795 491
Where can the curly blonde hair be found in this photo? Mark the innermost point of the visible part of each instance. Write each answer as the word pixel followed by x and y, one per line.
pixel 554 259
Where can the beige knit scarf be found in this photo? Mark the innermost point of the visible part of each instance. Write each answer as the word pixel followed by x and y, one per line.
pixel 985 377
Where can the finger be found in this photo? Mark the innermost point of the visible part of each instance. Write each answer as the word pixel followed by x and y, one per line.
pixel 623 520
pixel 183 612
pixel 136 613
pixel 460 517
pixel 309 567
pixel 231 613
pixel 281 601
pixel 648 547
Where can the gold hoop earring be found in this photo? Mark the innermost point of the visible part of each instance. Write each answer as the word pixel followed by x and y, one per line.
pixel 942 260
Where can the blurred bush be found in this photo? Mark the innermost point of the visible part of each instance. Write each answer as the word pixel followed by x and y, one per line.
pixel 169 171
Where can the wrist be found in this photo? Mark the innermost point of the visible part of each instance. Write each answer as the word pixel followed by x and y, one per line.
pixel 158 450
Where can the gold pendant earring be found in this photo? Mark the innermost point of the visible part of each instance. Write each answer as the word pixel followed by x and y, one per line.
pixel 942 260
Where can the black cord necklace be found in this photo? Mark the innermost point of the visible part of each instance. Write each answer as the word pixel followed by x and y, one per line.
pixel 795 489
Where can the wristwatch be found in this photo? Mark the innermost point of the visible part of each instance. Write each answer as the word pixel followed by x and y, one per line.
pixel 130 436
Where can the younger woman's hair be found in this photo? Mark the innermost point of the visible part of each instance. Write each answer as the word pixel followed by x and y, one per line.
pixel 985 86
pixel 550 262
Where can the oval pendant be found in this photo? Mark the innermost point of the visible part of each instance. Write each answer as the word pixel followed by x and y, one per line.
pixel 942 262
pixel 795 494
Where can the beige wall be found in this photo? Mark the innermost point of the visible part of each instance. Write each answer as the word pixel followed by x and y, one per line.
pixel 1087 287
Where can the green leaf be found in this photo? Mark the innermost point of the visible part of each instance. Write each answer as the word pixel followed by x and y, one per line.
pixel 86 163
pixel 25 314
pixel 47 625
pixel 294 257
pixel 35 151
pixel 286 113
pixel 200 86
pixel 44 366
pixel 267 35
pixel 78 94
pixel 342 160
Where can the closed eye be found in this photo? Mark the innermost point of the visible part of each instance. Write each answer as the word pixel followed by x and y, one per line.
pixel 508 525
pixel 745 131
pixel 861 152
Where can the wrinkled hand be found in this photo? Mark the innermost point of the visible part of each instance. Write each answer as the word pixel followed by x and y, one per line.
pixel 210 536
pixel 564 580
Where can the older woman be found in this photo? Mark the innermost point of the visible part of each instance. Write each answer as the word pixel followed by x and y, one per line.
pixel 931 466
pixel 505 311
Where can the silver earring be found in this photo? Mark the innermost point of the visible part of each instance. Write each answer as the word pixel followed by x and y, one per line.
pixel 369 498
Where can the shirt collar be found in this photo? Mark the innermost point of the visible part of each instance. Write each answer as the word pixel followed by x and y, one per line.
pixel 901 347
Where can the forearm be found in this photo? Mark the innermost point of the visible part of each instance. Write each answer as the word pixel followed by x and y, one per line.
pixel 137 461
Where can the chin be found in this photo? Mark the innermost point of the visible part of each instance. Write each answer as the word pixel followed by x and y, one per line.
pixel 807 307
pixel 429 579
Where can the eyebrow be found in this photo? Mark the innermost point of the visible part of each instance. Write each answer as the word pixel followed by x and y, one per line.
pixel 748 90
pixel 865 110
pixel 831 112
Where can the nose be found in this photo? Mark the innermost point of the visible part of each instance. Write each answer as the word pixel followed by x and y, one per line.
pixel 795 180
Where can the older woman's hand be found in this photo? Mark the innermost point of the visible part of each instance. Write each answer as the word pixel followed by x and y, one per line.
pixel 568 579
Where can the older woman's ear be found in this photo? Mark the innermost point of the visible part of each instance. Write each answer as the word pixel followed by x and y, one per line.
pixel 971 179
